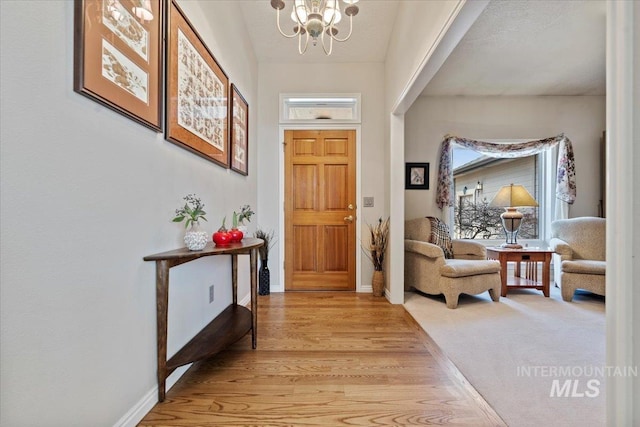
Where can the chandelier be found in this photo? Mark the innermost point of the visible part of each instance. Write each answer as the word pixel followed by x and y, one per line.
pixel 317 19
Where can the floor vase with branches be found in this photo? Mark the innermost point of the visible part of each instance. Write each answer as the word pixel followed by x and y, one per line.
pixel 379 234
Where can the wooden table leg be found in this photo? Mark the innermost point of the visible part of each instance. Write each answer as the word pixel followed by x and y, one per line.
pixel 162 302
pixel 253 261
pixel 234 278
pixel 503 275
pixel 546 274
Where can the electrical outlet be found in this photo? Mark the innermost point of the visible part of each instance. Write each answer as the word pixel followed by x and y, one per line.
pixel 368 202
pixel 210 294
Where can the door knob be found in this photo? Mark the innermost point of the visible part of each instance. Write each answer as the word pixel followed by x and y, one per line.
pixel 349 218
pixel 350 207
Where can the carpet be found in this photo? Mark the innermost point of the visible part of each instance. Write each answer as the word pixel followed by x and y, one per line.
pixel 537 361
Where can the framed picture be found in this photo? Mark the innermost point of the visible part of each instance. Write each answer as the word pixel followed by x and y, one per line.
pixel 197 92
pixel 416 176
pixel 118 56
pixel 239 132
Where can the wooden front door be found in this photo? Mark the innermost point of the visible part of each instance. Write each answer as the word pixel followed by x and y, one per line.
pixel 320 210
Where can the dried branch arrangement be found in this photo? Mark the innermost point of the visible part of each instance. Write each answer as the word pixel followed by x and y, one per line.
pixel 378 243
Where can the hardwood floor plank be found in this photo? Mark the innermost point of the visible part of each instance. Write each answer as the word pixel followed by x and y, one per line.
pixel 326 359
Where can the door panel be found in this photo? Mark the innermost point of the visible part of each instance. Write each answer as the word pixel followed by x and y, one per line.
pixel 306 178
pixel 320 214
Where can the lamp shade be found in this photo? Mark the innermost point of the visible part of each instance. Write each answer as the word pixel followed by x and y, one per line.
pixel 511 196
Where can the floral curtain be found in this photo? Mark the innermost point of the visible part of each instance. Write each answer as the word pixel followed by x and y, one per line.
pixel 565 179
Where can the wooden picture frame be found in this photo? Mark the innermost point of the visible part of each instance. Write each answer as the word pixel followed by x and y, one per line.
pixel 197 92
pixel 239 113
pixel 118 57
pixel 416 176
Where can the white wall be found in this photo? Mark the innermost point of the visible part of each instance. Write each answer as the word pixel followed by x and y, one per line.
pixel 86 193
pixel 364 78
pixel 623 236
pixel 581 118
pixel 414 54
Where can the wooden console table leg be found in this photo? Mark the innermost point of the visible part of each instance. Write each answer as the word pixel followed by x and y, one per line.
pixel 253 261
pixel 234 277
pixel 162 301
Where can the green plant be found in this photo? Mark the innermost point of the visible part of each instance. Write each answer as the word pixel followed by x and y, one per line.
pixel 378 243
pixel 192 211
pixel 269 241
pixel 245 213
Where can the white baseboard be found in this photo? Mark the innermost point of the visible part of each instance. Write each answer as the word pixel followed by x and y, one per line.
pixel 246 301
pixel 144 405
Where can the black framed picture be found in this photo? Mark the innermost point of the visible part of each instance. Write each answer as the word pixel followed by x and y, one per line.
pixel 416 176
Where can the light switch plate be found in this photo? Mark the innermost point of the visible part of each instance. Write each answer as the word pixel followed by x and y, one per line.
pixel 367 202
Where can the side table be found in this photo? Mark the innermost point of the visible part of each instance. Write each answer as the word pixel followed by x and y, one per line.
pixel 527 279
pixel 228 327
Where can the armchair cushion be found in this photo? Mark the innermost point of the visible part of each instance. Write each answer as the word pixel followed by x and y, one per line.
pixel 440 236
pixel 584 267
pixel 464 268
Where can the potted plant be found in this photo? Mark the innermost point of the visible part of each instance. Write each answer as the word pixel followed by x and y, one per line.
pixel 191 213
pixel 245 214
pixel 379 238
pixel 264 279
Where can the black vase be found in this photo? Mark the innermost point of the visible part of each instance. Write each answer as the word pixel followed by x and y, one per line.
pixel 264 279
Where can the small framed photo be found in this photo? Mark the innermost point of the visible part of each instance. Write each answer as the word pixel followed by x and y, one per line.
pixel 416 176
pixel 197 92
pixel 118 56
pixel 239 132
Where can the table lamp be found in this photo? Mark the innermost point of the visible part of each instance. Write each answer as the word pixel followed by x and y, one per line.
pixel 510 197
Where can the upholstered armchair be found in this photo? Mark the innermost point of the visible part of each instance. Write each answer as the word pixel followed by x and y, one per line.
pixel 427 270
pixel 579 261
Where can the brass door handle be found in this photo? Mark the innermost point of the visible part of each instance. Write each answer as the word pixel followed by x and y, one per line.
pixel 349 218
pixel 350 207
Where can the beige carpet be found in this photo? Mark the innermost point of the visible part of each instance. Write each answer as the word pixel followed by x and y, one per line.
pixel 537 361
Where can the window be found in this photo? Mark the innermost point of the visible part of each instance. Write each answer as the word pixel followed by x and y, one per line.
pixel 310 108
pixel 477 178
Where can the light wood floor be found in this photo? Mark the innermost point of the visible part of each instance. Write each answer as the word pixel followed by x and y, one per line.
pixel 326 359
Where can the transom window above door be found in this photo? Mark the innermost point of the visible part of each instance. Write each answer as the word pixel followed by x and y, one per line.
pixel 315 108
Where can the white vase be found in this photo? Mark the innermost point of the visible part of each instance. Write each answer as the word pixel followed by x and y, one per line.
pixel 243 228
pixel 195 238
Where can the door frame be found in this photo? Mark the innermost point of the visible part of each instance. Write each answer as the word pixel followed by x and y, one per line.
pixel 281 225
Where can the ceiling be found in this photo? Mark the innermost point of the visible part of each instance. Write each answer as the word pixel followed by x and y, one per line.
pixel 515 47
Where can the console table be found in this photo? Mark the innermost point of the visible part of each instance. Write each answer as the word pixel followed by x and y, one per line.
pixel 531 257
pixel 228 327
